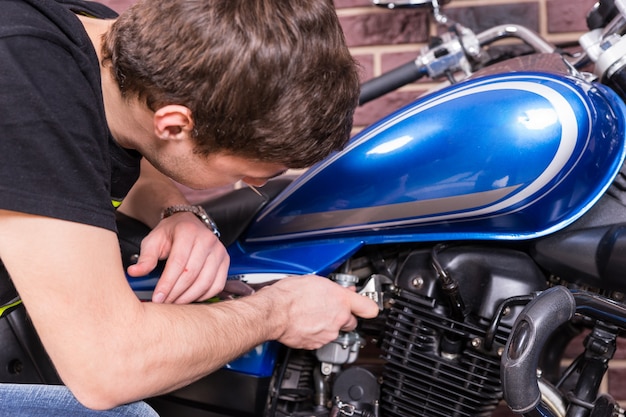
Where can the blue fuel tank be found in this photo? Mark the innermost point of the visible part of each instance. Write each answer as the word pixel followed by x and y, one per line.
pixel 510 156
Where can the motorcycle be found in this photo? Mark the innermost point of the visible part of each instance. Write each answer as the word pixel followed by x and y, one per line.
pixel 487 219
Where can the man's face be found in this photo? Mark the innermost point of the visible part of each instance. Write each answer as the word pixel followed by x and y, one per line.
pixel 203 172
pixel 230 169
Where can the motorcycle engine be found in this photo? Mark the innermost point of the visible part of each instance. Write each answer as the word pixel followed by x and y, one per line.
pixel 444 335
pixel 436 366
pixel 435 348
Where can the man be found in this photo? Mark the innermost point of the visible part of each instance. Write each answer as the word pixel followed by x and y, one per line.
pixel 205 92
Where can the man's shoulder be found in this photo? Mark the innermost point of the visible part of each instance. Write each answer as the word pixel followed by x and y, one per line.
pixel 89 8
pixel 19 16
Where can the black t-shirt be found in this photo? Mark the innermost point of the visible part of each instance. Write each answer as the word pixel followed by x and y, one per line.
pixel 57 156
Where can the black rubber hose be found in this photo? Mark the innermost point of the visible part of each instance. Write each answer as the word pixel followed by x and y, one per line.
pixel 532 329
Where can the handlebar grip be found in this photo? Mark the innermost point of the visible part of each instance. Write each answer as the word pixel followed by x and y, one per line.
pixel 390 81
pixel 532 328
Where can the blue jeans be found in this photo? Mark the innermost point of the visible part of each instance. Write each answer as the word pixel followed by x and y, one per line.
pixel 23 400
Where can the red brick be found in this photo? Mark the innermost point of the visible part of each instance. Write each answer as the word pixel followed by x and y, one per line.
pixel 568 15
pixel 393 27
pixel 617 383
pixel 366 64
pixel 620 353
pixel 396 59
pixel 341 4
pixel 576 346
pixel 480 18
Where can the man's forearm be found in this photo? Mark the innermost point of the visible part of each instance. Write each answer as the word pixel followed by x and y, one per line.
pixel 170 346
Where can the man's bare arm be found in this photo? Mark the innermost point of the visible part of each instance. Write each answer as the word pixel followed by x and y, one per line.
pixel 111 349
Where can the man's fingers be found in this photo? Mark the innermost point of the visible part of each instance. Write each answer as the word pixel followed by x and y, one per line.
pixel 176 278
pixel 350 325
pixel 143 266
pixel 364 307
pixel 192 275
pixel 149 256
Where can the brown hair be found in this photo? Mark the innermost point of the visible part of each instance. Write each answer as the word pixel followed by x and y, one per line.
pixel 269 80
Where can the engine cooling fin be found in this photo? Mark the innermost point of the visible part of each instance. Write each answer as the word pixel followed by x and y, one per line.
pixel 419 381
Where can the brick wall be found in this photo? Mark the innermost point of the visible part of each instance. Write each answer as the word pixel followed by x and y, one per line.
pixel 381 40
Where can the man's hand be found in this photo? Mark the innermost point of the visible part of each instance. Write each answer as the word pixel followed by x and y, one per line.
pixel 314 310
pixel 197 262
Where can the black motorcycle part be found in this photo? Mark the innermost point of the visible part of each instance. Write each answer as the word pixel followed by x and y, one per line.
pixel 605 406
pixel 617 81
pixel 593 256
pixel 436 365
pixel 357 386
pixel 390 81
pixel 600 347
pixel 559 341
pixel 533 327
pixel 223 393
pixel 234 211
pixel 23 359
pixel 22 356
pixel 298 388
pixel 7 290
pixel 601 14
pixel 485 276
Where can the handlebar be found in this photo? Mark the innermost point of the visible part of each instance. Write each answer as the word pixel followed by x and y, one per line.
pixel 526 35
pixel 392 80
pixel 454 53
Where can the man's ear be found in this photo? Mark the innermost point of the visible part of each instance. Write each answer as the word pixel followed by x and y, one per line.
pixel 173 122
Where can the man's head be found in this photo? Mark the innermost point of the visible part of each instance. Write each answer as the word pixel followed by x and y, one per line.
pixel 267 80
